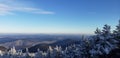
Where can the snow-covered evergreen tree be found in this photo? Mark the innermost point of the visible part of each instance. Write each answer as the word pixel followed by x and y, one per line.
pixel 70 52
pixel 98 31
pixel 103 42
pixel 50 52
pixel 27 53
pixel 116 33
pixel 1 53
pixel 57 52
pixel 117 30
pixel 12 52
pixel 38 54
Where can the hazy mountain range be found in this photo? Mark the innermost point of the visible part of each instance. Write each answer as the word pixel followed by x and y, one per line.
pixel 22 41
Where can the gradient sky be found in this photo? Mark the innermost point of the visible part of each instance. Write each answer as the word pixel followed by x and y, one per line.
pixel 57 16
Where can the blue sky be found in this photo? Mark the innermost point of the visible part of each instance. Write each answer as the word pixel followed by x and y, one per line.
pixel 57 16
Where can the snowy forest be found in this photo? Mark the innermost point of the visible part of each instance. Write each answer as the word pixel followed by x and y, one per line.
pixel 104 44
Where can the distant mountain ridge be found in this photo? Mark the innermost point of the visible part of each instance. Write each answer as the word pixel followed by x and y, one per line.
pixel 19 44
pixel 23 43
pixel 63 43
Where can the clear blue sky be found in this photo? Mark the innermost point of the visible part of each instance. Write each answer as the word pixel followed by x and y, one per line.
pixel 57 16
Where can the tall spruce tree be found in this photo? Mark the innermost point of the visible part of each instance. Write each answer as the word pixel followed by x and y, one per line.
pixel 116 34
pixel 103 42
pixel 117 30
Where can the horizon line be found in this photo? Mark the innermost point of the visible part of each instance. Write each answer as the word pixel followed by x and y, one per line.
pixel 53 33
